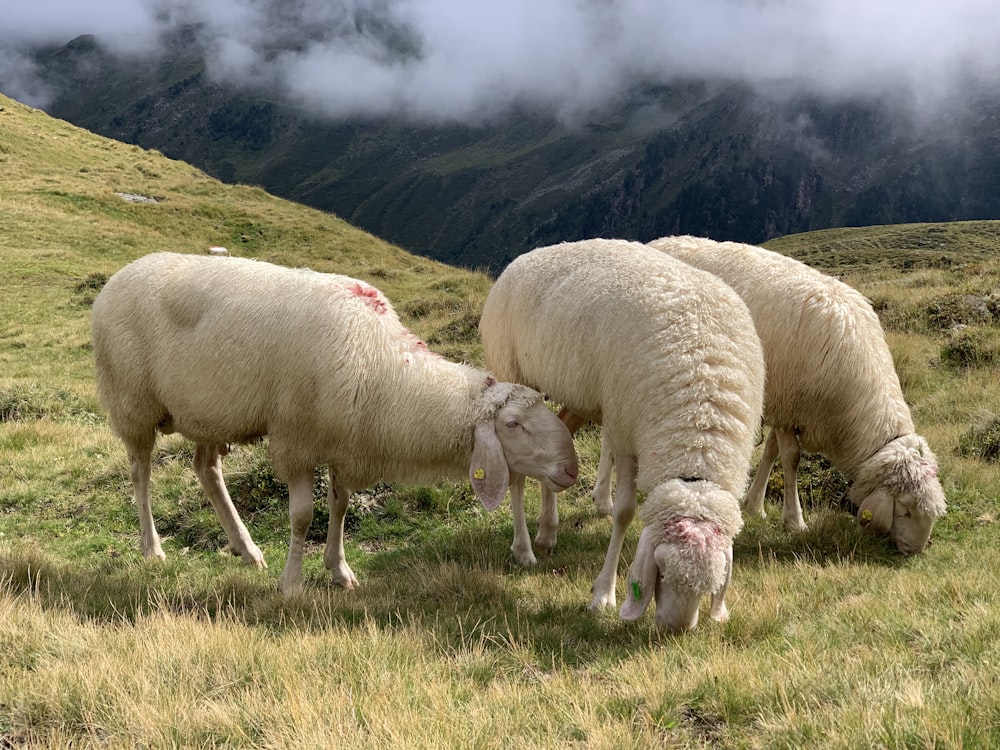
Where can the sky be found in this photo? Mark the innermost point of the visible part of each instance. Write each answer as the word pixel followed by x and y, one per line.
pixel 469 60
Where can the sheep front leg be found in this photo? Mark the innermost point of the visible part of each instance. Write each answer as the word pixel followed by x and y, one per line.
pixel 300 512
pixel 754 500
pixel 139 468
pixel 334 558
pixel 521 546
pixel 208 468
pixel 622 513
pixel 791 512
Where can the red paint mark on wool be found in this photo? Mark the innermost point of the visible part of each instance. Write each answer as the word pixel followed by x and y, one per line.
pixel 694 533
pixel 371 295
pixel 416 345
pixel 414 342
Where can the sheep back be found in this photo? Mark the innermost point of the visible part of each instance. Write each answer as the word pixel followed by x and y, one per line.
pixel 227 350
pixel 824 347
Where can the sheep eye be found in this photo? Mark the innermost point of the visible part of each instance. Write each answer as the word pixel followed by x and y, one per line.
pixel 512 423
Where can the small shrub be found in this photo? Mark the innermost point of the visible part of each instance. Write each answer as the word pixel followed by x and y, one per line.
pixel 92 283
pixel 982 441
pixel 896 316
pixel 954 310
pixel 968 347
pixel 461 330
pixel 821 484
pixel 87 289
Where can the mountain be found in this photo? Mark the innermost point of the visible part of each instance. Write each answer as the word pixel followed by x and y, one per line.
pixel 716 159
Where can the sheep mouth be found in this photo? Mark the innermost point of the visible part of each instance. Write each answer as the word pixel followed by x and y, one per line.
pixel 563 482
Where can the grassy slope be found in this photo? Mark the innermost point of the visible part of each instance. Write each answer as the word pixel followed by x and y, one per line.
pixel 834 639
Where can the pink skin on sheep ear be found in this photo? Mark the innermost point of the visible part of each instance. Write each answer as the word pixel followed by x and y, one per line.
pixel 488 471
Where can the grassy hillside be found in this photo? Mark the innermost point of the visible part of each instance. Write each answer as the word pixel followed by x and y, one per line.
pixel 834 641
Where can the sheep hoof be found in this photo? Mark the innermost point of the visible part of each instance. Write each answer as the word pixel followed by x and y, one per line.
pixel 345 579
pixel 720 613
pixel 796 525
pixel 602 600
pixel 154 554
pixel 525 558
pixel 545 544
pixel 602 506
pixel 251 556
pixel 256 562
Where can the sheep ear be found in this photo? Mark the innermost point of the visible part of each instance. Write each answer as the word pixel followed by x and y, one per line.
pixel 877 511
pixel 719 612
pixel 488 472
pixel 642 577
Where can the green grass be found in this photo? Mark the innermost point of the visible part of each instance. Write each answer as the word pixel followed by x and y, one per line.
pixel 835 640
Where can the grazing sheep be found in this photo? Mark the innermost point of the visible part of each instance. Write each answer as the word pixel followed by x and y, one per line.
pixel 832 388
pixel 227 350
pixel 664 356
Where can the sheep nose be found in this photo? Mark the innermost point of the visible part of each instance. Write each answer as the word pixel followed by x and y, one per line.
pixel 572 470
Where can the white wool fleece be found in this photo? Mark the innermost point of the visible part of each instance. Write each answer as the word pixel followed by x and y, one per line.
pixel 665 357
pixel 495 394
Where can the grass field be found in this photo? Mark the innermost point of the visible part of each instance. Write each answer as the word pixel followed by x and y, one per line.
pixel 834 641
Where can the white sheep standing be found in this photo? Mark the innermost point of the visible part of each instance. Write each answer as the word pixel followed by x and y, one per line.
pixel 227 350
pixel 832 388
pixel 664 356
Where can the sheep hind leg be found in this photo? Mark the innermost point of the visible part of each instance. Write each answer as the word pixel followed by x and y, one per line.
pixel 548 522
pixel 622 513
pixel 333 557
pixel 139 456
pixel 791 513
pixel 208 468
pixel 602 485
pixel 754 500
pixel 300 513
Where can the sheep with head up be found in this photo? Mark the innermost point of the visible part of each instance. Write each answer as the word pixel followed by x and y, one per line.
pixel 227 350
pixel 831 388
pixel 666 358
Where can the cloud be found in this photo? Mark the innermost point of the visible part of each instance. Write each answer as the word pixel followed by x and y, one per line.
pixel 447 60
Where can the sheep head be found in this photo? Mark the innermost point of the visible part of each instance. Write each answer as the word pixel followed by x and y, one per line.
pixel 682 558
pixel 518 434
pixel 897 492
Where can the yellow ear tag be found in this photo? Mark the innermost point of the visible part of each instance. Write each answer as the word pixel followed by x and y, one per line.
pixel 866 515
pixel 479 473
